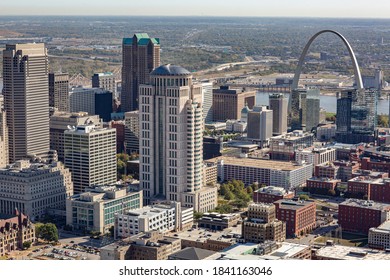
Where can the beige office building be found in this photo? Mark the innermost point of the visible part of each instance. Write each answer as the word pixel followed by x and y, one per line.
pixel 171 140
pixel 26 99
pixel 61 121
pixel 59 91
pixel 33 188
pixel 3 135
pixel 90 154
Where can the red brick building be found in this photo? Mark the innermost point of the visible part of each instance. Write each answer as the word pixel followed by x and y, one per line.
pixel 300 216
pixel 270 194
pixel 359 216
pixel 377 190
pixel 321 185
pixel 120 135
pixel 375 165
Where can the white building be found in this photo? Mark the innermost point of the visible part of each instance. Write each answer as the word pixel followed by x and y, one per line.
pixel 236 126
pixel 61 121
pixel 95 209
pixel 379 237
pixel 171 139
pixel 207 101
pixel 33 188
pixel 315 155
pixel 276 173
pixel 160 217
pixel 90 154
pixel 260 125
pixel 3 135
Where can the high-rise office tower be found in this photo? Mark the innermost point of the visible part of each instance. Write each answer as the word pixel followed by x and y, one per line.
pixel 260 123
pixel 356 116
pixel 61 121
pixel 26 100
pixel 228 102
pixel 90 155
pixel 132 132
pixel 171 140
pixel 310 109
pixel 140 55
pixel 3 135
pixel 59 91
pixel 279 106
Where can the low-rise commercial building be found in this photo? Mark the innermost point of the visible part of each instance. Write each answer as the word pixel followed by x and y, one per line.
pixel 158 217
pixel 300 216
pixel 191 253
pixel 270 194
pixel 359 216
pixel 315 155
pixel 33 188
pixel 283 147
pixel 262 224
pixel 323 186
pixel 216 221
pixel 14 231
pixel 95 209
pixel 338 252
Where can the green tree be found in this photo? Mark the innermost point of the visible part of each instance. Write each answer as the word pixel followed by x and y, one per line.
pixel 239 203
pixel 197 215
pixel 47 232
pixel 249 190
pixel 27 244
pixel 224 209
pixel 229 195
pixel 383 120
pixel 304 197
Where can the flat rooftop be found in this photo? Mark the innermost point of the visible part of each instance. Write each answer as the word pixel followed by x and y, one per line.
pixel 352 253
pixel 365 204
pixel 259 163
pixel 292 204
pixel 202 235
pixel 245 252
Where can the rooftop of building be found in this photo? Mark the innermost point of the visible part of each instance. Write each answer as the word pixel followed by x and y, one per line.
pixel 293 204
pixel 103 193
pixel 316 150
pixel 352 253
pixel 191 253
pixel 230 90
pixel 258 163
pixel 228 235
pixel 21 167
pixel 324 179
pixel 272 190
pixel 247 251
pixel 63 114
pixel 365 204
pixel 290 136
pixel 87 129
pixel 369 174
pixel 365 179
pixel 151 211
pixel 170 70
pixel 142 39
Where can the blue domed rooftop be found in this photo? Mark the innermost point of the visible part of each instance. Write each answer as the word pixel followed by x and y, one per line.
pixel 170 70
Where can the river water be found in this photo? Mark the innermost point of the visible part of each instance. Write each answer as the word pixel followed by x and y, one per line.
pixel 328 102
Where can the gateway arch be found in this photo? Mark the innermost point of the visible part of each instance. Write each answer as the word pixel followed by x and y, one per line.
pixel 300 116
pixel 358 78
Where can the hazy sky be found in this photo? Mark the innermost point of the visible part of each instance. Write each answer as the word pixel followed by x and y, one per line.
pixel 294 8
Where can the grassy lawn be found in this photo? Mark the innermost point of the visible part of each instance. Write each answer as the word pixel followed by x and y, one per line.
pixel 351 240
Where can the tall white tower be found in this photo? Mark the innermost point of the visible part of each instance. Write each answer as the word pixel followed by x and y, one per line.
pixel 171 139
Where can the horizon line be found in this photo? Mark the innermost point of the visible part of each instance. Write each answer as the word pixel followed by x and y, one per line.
pixel 199 16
